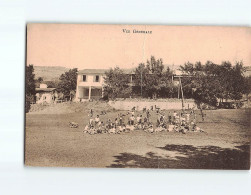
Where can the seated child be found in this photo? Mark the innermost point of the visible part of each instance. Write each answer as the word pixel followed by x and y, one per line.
pixel 92 131
pixel 176 128
pixel 102 127
pixel 198 129
pixel 187 117
pixel 86 129
pixel 158 129
pixel 183 129
pixel 120 129
pixel 171 127
pixel 112 130
pixel 139 119
pixel 150 129
pixel 132 128
pixel 97 120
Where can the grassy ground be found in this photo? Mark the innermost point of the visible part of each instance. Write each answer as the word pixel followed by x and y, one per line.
pixel 50 141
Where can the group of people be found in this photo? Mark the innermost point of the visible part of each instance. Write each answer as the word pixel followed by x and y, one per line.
pixel 183 122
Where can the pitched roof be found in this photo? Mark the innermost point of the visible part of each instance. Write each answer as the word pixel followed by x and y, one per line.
pixel 45 89
pixel 92 71
pixel 102 71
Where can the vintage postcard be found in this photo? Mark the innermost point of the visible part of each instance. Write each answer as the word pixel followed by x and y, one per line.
pixel 138 96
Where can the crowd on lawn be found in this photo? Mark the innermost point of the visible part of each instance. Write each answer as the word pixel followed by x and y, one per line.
pixel 182 121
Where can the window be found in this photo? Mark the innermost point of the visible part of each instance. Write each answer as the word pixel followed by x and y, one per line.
pixel 96 78
pixel 84 78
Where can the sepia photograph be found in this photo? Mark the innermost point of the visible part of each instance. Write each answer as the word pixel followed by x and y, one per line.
pixel 137 96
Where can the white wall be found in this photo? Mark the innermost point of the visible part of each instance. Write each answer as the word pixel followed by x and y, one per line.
pixel 90 80
pixel 139 105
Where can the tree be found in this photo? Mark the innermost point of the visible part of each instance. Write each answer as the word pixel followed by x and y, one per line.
pixel 151 78
pixel 40 79
pixel 117 84
pixel 29 86
pixel 68 82
pixel 141 80
pixel 247 88
pixel 212 82
pixel 29 80
pixel 52 84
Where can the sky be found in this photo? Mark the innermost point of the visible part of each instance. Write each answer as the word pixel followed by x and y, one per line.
pixel 104 46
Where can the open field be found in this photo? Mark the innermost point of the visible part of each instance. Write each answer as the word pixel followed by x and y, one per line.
pixel 51 142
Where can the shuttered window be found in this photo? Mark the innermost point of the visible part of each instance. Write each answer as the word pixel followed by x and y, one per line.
pixel 84 78
pixel 96 78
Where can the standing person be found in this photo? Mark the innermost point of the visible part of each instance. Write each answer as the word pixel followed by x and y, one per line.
pixel 91 122
pixel 139 119
pixel 194 118
pixel 108 124
pixel 192 115
pixel 120 120
pixel 91 113
pixel 175 117
pixel 187 117
pixel 116 123
pixel 145 121
pixel 97 120
pixel 132 118
pixel 148 115
pixel 182 119
pixel 202 114
pixel 169 118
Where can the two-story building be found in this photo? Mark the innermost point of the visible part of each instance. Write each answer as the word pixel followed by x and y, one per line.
pixel 90 83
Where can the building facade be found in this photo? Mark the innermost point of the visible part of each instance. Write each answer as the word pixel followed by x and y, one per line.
pixel 44 94
pixel 90 83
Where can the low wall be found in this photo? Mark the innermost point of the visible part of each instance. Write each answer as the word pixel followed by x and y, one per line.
pixel 163 105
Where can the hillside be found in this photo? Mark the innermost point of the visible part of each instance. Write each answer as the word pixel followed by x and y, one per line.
pixel 49 73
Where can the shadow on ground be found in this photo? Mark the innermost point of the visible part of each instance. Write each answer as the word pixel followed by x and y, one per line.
pixel 189 157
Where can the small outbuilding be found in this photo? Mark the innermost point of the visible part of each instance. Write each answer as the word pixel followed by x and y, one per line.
pixel 44 94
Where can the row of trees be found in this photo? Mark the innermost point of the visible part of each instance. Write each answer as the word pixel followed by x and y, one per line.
pixel 211 83
pixel 207 83
pixel 150 80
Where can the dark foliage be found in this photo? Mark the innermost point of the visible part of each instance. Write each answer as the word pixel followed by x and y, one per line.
pixel 67 82
pixel 152 80
pixel 211 82
pixel 117 84
pixel 29 86
pixel 29 80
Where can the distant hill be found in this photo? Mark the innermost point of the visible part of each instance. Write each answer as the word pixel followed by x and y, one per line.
pixel 49 73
